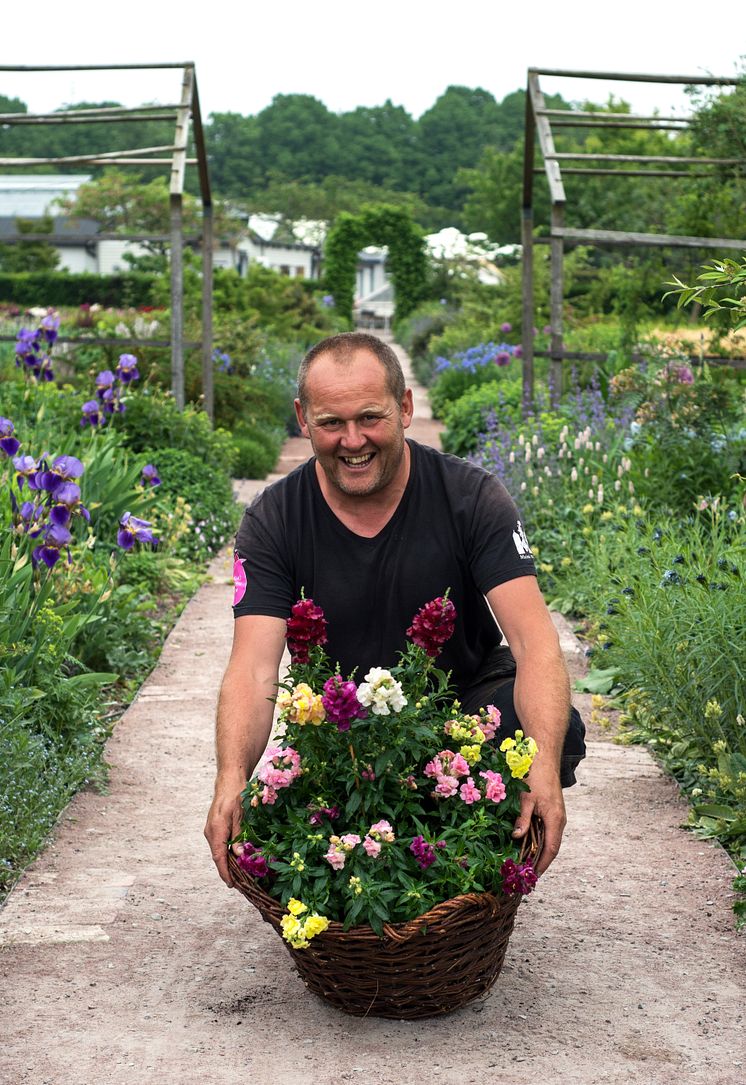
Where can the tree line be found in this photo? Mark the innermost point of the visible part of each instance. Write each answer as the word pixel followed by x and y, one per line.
pixel 459 164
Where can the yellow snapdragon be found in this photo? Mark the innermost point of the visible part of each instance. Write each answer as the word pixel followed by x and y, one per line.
pixel 297 933
pixel 519 754
pixel 301 706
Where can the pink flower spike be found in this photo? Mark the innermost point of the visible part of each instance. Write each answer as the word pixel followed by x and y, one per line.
pixel 372 847
pixel 469 793
pixel 335 859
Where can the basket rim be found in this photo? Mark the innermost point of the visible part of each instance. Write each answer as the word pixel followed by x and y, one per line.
pixel 531 847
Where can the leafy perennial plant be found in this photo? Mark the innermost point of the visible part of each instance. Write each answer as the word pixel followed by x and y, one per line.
pixel 381 798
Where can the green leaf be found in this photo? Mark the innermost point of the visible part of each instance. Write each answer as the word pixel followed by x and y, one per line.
pixel 597 681
pixel 90 678
pixel 713 810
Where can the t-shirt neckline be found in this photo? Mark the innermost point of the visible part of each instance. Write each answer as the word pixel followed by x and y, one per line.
pixel 395 516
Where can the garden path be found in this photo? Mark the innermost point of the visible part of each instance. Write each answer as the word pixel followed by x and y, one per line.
pixel 124 959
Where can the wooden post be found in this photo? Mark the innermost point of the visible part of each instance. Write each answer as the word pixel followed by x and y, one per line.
pixel 527 318
pixel 177 303
pixel 556 297
pixel 207 366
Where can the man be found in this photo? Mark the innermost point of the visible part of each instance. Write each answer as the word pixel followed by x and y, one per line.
pixel 372 527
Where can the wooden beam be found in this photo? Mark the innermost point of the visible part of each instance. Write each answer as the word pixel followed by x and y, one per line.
pixel 673 159
pixel 83 116
pixel 611 116
pixel 108 341
pixel 84 239
pixel 103 156
pixel 662 127
pixel 639 77
pixel 587 356
pixel 546 142
pixel 620 237
pixel 600 172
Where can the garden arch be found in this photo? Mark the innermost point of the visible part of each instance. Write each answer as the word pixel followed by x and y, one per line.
pixel 539 123
pixel 175 157
pixel 391 227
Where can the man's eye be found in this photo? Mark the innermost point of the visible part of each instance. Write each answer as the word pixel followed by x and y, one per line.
pixel 330 423
pixel 369 419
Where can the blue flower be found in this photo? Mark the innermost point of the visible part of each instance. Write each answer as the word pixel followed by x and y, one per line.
pixel 8 443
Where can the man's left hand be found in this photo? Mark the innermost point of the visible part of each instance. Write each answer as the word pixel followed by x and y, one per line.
pixel 544 800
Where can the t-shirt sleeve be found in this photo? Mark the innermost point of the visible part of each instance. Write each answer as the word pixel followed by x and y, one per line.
pixel 262 580
pixel 499 549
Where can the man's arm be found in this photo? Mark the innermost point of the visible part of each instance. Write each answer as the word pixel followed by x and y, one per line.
pixel 542 701
pixel 244 723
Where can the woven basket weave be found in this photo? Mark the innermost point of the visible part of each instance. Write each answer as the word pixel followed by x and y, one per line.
pixel 430 965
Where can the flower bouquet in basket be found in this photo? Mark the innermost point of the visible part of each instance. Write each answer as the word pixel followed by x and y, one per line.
pixel 377 831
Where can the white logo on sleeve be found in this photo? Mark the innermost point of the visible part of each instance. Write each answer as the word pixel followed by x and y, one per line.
pixel 521 542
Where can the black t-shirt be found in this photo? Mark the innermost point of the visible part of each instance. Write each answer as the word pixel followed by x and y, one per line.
pixel 455 528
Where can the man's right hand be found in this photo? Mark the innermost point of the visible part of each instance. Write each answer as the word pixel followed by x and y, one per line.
pixel 223 823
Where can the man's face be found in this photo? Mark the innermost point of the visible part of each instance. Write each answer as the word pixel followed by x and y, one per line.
pixel 355 425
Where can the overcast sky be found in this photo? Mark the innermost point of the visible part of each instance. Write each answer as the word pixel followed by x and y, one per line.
pixel 349 54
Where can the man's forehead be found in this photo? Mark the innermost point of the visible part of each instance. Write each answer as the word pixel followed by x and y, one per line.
pixel 358 371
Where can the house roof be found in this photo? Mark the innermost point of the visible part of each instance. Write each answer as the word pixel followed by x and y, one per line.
pixel 80 230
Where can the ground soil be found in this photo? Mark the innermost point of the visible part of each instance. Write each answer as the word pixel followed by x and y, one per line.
pixel 123 958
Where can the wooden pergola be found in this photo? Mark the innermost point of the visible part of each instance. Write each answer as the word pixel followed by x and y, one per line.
pixel 184 112
pixel 541 122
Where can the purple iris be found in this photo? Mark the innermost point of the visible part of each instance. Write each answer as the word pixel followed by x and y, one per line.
pixel 50 325
pixel 127 368
pixel 104 382
pixel 150 475
pixel 91 413
pixel 67 500
pixel 55 537
pixel 25 466
pixel 132 529
pixel 8 443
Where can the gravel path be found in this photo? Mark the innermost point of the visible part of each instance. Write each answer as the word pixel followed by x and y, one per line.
pixel 125 960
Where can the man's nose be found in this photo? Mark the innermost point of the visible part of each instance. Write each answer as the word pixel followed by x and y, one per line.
pixel 354 437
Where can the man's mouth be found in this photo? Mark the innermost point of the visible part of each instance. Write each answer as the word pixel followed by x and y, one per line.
pixel 358 461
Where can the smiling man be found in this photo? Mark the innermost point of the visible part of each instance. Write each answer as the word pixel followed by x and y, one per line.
pixel 372 527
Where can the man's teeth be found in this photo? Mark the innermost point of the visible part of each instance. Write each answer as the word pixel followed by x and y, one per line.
pixel 355 461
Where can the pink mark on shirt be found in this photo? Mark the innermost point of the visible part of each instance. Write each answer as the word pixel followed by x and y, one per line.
pixel 239 581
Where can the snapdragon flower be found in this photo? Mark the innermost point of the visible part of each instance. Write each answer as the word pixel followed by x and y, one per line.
pixel 381 692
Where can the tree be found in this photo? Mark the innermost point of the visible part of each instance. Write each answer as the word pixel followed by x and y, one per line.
pixel 121 203
pixel 298 138
pixel 30 255
pixel 452 134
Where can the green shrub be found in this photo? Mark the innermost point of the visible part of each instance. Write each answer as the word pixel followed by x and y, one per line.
pixel 55 288
pixel 467 417
pixel 153 422
pixel 257 451
pixel 208 492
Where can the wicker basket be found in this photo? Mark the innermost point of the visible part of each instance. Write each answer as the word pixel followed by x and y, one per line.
pixel 431 965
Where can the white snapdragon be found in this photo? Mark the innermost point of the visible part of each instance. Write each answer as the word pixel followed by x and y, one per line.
pixel 381 692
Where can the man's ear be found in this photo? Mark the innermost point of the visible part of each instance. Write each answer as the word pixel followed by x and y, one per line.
pixel 302 424
pixel 407 408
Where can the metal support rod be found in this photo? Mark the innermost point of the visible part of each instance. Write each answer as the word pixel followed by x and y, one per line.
pixel 177 302
pixel 662 127
pixel 207 366
pixel 102 156
pixel 556 344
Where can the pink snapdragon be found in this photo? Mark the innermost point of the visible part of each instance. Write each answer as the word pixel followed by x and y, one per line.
pixel 446 769
pixel 372 847
pixel 278 770
pixel 491 723
pixel 495 790
pixel 469 792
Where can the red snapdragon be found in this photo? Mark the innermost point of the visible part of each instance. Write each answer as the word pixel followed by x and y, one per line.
pixel 433 625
